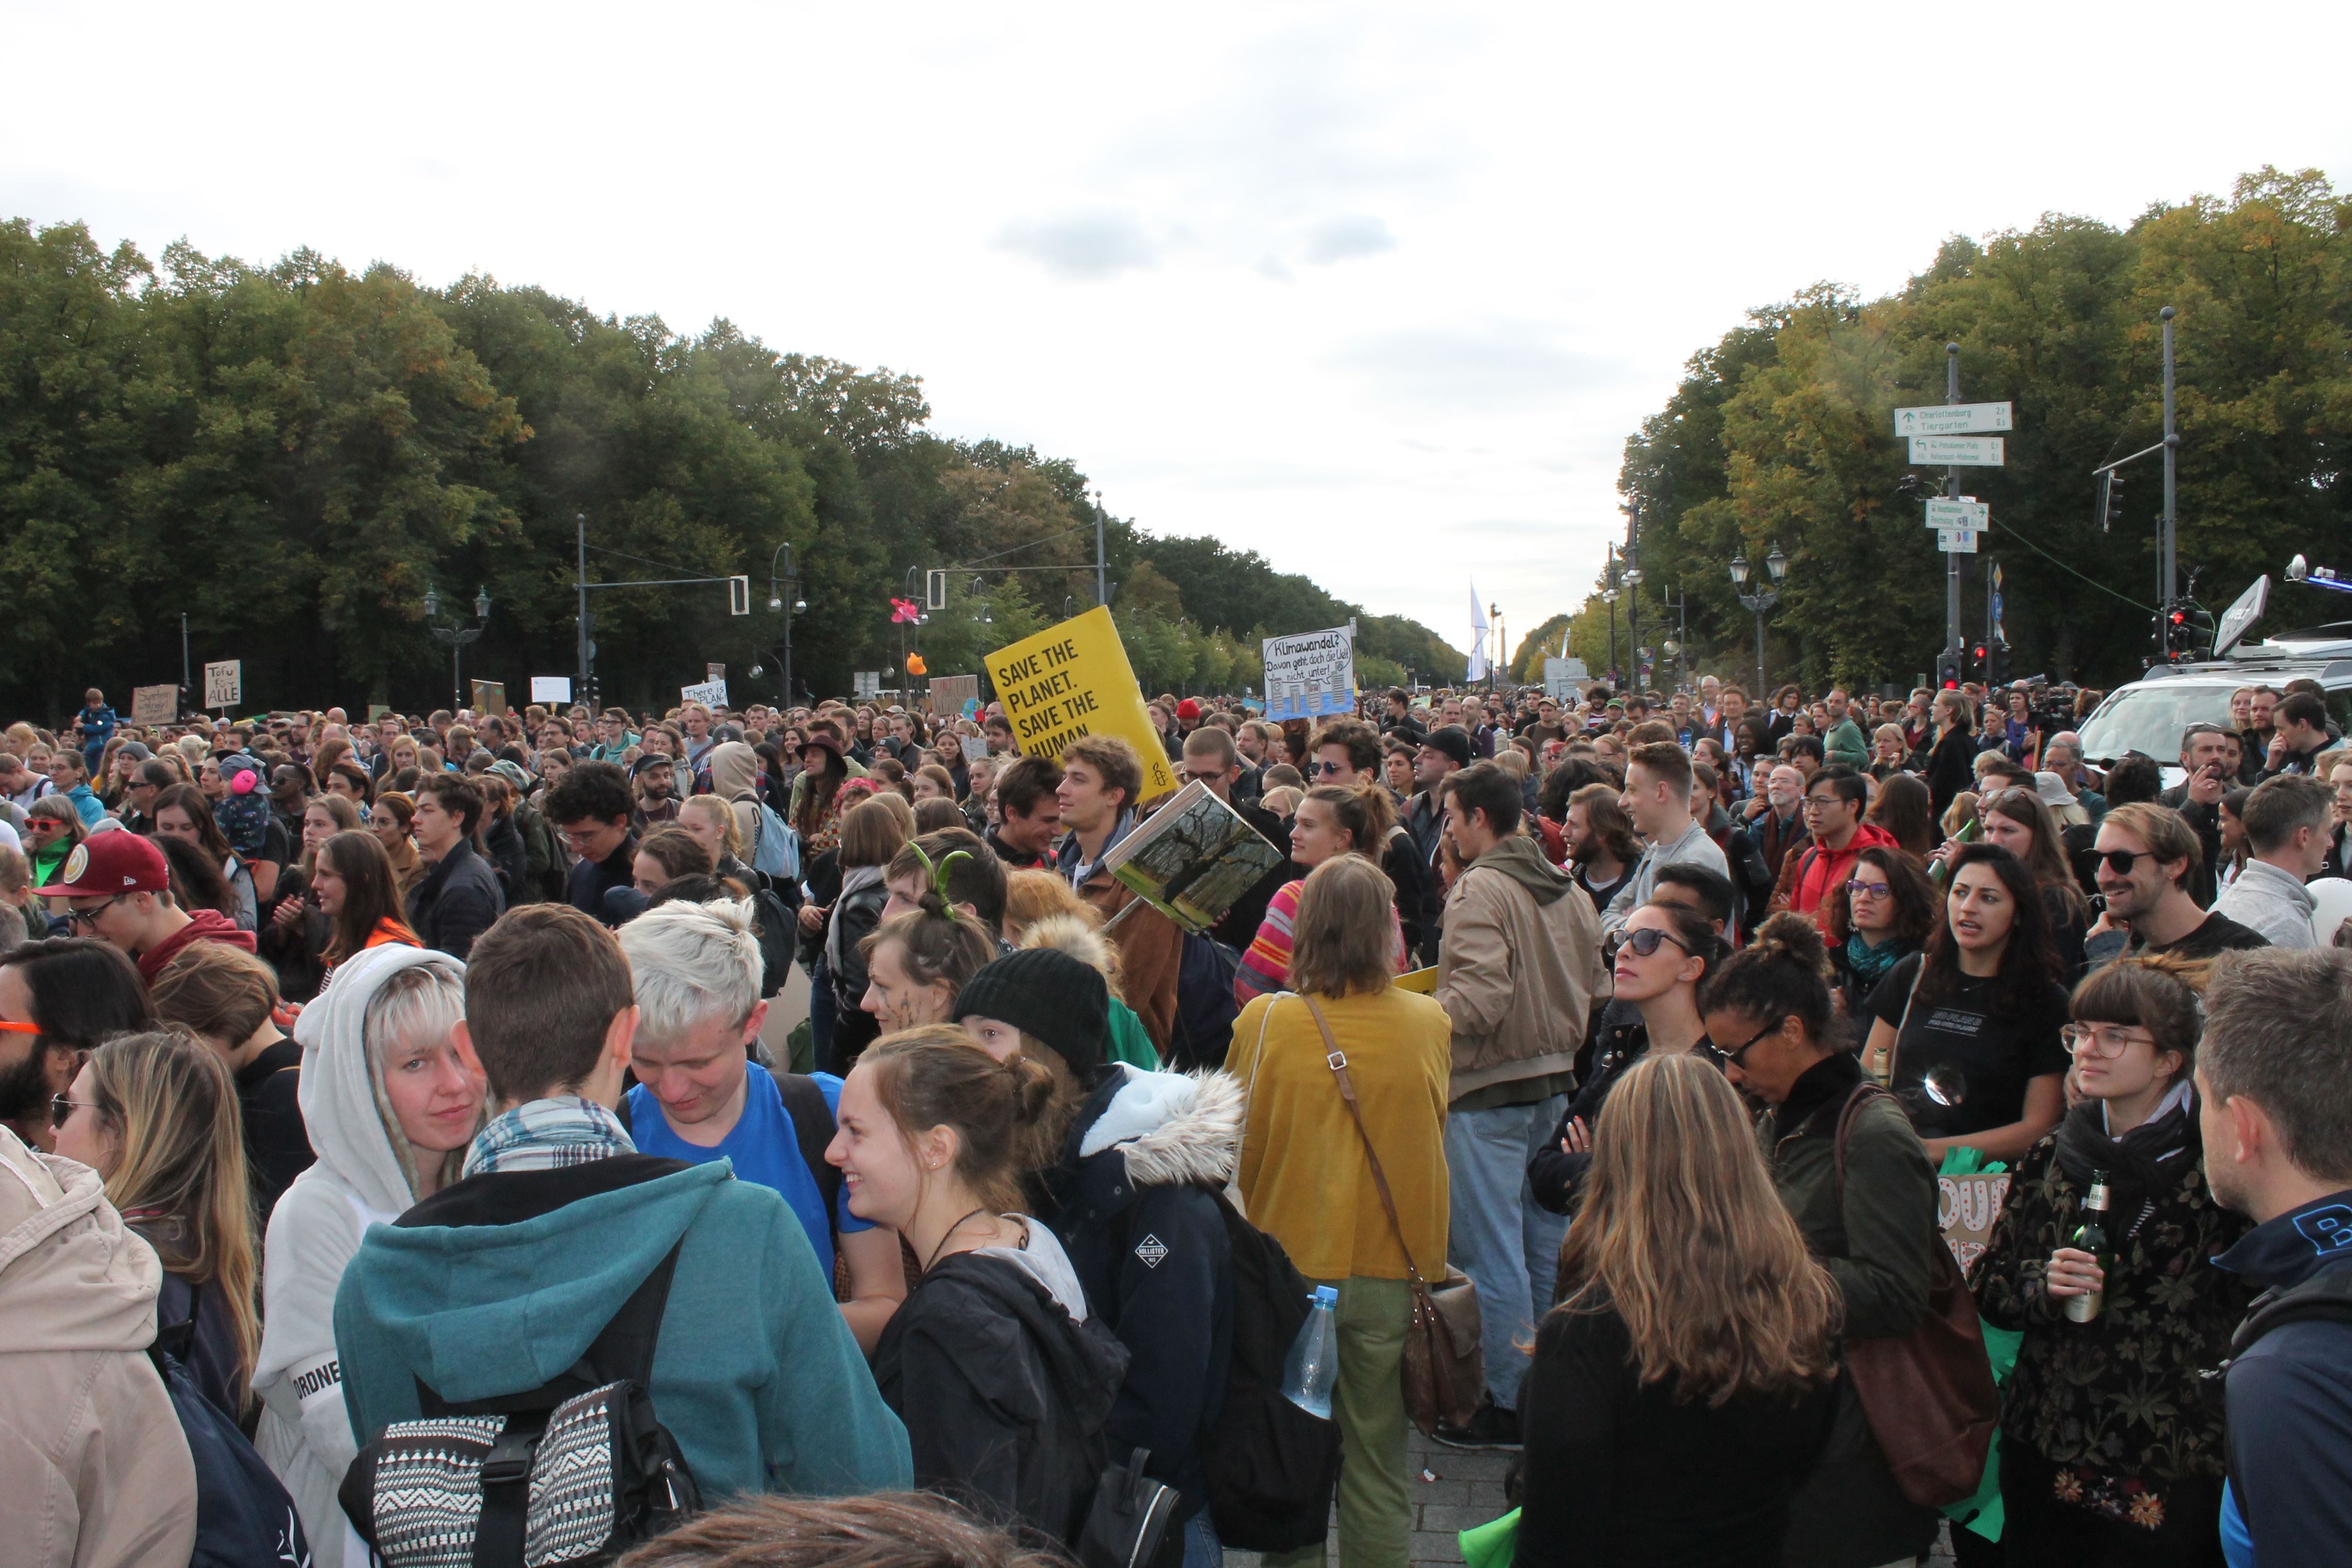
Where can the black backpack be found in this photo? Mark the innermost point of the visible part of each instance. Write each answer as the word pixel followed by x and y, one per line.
pixel 1271 1464
pixel 1205 1009
pixel 244 1515
pixel 573 1471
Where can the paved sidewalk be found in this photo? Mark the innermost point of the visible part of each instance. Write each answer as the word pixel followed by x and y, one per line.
pixel 1454 1490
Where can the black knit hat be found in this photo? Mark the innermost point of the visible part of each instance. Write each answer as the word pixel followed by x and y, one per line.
pixel 1044 992
pixel 1454 741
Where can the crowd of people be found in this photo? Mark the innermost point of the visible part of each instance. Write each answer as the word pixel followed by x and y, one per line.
pixel 363 1074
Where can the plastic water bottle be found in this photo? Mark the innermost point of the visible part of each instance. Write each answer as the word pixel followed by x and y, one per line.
pixel 1314 1363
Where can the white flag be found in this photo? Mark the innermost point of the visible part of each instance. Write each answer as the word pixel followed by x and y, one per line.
pixel 1478 637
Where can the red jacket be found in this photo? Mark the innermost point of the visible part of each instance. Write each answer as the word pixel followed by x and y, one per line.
pixel 1807 875
pixel 204 925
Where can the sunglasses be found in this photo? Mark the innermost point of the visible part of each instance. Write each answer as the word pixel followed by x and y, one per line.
pixel 61 1109
pixel 1737 1054
pixel 1643 942
pixel 2121 862
pixel 1328 769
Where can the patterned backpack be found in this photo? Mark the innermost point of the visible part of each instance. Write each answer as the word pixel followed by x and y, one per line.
pixel 574 1471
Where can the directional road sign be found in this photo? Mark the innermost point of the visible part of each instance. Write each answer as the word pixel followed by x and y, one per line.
pixel 1957 451
pixel 1960 512
pixel 1956 541
pixel 1952 419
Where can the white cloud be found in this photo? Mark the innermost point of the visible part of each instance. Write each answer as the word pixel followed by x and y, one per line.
pixel 1341 238
pixel 1083 246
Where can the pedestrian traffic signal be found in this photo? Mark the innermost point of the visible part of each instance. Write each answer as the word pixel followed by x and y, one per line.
pixel 1981 658
pixel 1950 675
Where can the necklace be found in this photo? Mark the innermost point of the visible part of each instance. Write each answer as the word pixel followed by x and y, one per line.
pixel 951 1230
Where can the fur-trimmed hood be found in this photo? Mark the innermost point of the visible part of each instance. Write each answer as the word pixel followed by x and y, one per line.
pixel 1174 1129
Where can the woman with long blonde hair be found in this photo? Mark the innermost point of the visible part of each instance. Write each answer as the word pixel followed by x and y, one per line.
pixel 156 1116
pixel 1695 1336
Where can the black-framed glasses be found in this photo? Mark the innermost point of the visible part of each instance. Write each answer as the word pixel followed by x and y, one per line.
pixel 89 917
pixel 61 1108
pixel 1737 1054
pixel 1858 888
pixel 2121 862
pixel 1643 942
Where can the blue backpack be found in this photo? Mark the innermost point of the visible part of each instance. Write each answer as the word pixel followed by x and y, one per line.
pixel 244 1516
pixel 775 848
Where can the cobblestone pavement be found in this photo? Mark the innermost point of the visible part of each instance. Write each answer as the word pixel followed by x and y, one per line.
pixel 1454 1489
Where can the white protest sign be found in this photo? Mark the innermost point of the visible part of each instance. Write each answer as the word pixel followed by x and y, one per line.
pixel 551 689
pixel 1310 674
pixel 712 694
pixel 1957 451
pixel 1954 419
pixel 224 683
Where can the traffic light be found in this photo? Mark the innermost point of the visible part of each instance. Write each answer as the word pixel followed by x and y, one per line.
pixel 1950 676
pixel 1982 662
pixel 2111 499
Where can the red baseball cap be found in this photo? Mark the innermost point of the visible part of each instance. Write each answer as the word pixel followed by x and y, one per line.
pixel 116 862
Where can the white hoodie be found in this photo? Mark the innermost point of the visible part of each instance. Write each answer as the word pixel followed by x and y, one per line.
pixel 359 1180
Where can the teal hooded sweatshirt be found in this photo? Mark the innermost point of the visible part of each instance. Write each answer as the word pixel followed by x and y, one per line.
pixel 755 1373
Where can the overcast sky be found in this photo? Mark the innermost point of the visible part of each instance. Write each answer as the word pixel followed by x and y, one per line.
pixel 1377 291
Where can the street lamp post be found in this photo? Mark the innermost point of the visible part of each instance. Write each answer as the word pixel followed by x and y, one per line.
pixel 1763 599
pixel 457 637
pixel 1632 580
pixel 776 602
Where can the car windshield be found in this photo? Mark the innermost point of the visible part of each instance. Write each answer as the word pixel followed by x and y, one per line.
pixel 2149 719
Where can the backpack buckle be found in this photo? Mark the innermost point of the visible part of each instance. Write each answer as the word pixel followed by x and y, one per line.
pixel 508 1464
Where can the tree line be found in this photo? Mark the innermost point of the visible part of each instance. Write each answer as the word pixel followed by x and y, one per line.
pixel 1782 433
pixel 291 455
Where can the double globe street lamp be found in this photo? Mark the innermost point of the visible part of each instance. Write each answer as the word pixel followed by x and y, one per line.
pixel 1758 601
pixel 458 637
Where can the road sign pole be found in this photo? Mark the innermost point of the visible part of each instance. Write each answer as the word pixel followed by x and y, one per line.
pixel 2168 562
pixel 1951 487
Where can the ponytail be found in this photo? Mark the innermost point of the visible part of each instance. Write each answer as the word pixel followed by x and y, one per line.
pixel 1367 812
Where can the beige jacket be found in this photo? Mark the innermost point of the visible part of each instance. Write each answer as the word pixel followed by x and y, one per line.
pixel 1516 968
pixel 94 1471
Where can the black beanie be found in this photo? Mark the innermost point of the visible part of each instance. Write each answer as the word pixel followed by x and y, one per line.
pixel 1044 992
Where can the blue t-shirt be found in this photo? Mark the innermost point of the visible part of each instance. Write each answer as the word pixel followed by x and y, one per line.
pixel 762 1147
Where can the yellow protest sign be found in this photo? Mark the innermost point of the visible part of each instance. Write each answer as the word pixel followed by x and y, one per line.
pixel 1074 679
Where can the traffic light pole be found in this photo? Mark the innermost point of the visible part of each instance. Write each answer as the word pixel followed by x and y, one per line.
pixel 1953 649
pixel 2167 557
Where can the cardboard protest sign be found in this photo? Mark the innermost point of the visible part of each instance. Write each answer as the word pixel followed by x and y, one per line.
pixel 1966 1207
pixel 154 704
pixel 1310 674
pixel 1074 679
pixel 490 696
pixel 949 693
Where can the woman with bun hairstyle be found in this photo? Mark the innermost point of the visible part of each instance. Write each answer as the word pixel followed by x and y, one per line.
pixel 156 1115
pixel 1330 821
pixel 1658 960
pixel 2110 1453
pixel 1694 1337
pixel 392 819
pixel 1129 1154
pixel 1769 1011
pixel 1001 1372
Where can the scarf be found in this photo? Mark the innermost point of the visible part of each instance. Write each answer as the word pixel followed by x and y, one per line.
pixel 2144 1162
pixel 1869 964
pixel 547 1135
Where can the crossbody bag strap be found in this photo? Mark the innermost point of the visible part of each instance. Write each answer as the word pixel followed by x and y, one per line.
pixel 1904 1022
pixel 1337 1059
